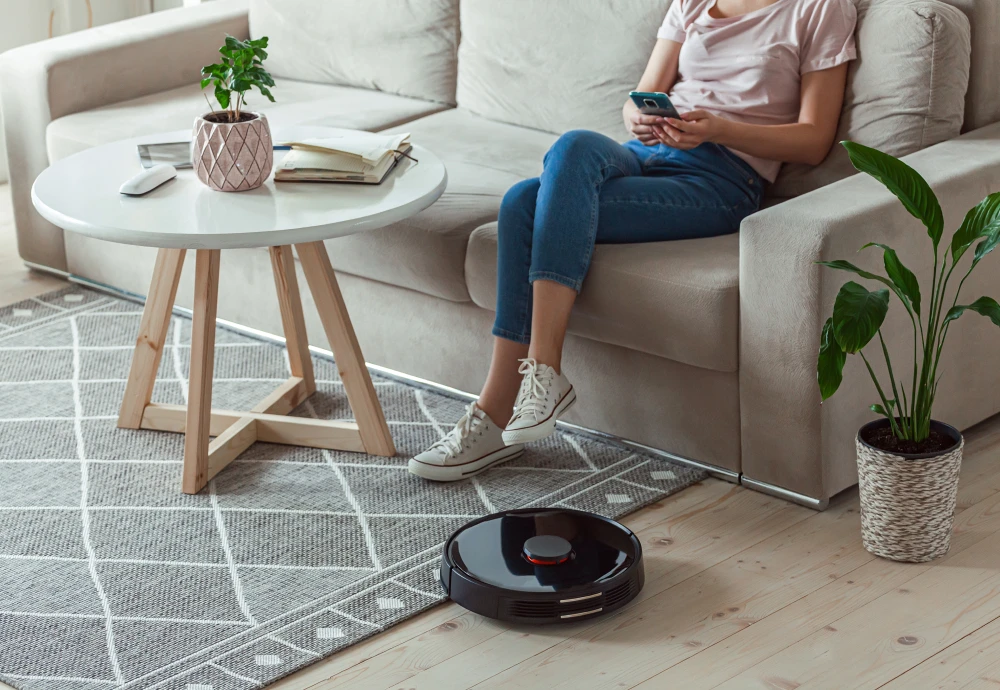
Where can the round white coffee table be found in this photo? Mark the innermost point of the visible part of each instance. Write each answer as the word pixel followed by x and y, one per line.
pixel 80 194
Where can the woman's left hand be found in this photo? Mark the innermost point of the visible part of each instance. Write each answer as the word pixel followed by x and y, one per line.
pixel 693 129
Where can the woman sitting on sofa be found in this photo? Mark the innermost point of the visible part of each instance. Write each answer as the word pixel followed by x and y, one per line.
pixel 757 83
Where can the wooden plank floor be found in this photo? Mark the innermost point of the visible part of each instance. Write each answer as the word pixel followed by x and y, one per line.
pixel 742 591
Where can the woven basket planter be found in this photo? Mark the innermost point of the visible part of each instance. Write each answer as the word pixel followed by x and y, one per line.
pixel 908 501
pixel 232 157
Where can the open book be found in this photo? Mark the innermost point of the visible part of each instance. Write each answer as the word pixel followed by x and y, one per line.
pixel 349 157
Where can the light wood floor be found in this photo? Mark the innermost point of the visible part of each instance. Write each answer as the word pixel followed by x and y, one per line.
pixel 742 591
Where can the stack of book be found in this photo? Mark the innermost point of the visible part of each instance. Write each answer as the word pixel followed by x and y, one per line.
pixel 360 157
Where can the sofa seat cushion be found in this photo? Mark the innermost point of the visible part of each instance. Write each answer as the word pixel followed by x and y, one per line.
pixel 297 103
pixel 427 252
pixel 678 300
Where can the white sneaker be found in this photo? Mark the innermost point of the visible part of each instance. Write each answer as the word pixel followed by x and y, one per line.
pixel 543 398
pixel 475 444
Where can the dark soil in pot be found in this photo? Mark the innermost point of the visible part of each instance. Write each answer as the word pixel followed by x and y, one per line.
pixel 880 436
pixel 223 118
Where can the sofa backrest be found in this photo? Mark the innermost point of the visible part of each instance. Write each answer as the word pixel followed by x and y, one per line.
pixel 406 47
pixel 555 65
pixel 905 92
pixel 983 99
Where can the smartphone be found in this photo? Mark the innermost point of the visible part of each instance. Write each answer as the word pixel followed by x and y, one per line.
pixel 650 103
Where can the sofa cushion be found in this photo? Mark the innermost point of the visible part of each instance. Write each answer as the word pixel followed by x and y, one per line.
pixel 678 300
pixel 406 47
pixel 982 102
pixel 905 92
pixel 297 103
pixel 555 64
pixel 427 252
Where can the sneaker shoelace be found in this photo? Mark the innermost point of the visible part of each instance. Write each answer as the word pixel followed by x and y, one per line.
pixel 534 387
pixel 455 442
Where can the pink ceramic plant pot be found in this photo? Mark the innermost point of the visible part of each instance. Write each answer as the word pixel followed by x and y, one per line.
pixel 232 157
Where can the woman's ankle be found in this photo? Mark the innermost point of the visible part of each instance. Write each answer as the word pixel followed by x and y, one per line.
pixel 549 356
pixel 497 411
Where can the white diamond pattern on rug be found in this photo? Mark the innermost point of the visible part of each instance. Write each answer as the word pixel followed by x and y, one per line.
pixel 290 555
pixel 329 633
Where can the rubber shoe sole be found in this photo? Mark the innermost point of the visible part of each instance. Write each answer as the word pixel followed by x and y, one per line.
pixel 453 473
pixel 542 429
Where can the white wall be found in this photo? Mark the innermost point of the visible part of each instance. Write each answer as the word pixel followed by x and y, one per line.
pixel 27 21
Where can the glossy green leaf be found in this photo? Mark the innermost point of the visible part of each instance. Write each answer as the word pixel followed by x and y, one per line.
pixel 987 306
pixel 830 366
pixel 975 225
pixel 857 315
pixel 989 243
pixel 906 183
pixel 881 410
pixel 902 278
pixel 222 95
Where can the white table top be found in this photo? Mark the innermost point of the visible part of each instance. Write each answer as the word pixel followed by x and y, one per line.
pixel 80 193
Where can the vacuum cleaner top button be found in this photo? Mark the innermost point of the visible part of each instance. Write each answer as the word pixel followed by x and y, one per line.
pixel 547 549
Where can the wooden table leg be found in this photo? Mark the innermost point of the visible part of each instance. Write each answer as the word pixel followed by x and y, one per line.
pixel 292 319
pixel 152 336
pixel 199 409
pixel 340 332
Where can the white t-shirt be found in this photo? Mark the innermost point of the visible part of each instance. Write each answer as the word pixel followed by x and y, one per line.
pixel 749 67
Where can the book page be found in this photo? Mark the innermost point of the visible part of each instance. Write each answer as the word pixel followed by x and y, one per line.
pixel 368 146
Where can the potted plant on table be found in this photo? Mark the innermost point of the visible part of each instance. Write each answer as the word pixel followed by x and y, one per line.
pixel 232 149
pixel 908 463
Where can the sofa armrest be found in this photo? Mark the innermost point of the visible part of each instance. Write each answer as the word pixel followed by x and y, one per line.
pixel 81 71
pixel 789 440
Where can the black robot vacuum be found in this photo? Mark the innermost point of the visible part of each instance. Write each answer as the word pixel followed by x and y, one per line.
pixel 542 565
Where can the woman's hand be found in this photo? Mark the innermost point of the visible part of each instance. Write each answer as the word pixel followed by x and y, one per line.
pixel 646 128
pixel 693 129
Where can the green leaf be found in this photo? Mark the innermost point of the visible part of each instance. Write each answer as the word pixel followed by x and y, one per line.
pixel 857 315
pixel 830 366
pixel 266 93
pixel 842 265
pixel 881 410
pixel 206 81
pixel 987 306
pixel 234 44
pixel 975 225
pixel 992 232
pixel 222 96
pixel 902 277
pixel 903 181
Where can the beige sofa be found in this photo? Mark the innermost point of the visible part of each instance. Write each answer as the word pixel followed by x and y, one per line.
pixel 704 348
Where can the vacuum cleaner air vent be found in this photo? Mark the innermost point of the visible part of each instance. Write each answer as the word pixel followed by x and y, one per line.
pixel 542 565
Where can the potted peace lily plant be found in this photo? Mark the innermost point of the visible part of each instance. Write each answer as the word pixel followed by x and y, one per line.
pixel 908 462
pixel 232 149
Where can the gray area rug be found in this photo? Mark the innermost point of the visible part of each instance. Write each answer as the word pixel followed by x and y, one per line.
pixel 110 577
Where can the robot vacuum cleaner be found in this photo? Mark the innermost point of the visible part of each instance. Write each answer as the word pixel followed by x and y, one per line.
pixel 542 565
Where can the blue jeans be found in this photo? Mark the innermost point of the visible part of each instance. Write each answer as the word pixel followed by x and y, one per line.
pixel 595 190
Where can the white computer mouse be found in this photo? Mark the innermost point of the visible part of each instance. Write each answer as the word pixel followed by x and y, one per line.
pixel 149 179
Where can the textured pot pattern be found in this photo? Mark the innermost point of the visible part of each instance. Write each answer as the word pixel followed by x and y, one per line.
pixel 233 157
pixel 907 504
